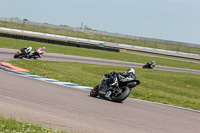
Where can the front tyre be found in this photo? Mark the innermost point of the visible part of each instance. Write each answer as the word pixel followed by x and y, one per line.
pixel 145 66
pixel 20 56
pixel 94 91
pixel 34 57
pixel 122 96
pixel 16 55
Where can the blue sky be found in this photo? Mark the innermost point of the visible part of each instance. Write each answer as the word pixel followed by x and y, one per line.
pixel 176 20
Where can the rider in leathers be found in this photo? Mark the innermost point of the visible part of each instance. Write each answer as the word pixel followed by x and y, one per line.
pixel 26 51
pixel 114 78
pixel 40 51
pixel 151 63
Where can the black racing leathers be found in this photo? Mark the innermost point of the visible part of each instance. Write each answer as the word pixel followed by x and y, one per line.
pixel 26 51
pixel 117 77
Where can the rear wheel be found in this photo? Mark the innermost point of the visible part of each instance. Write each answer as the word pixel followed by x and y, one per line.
pixel 121 97
pixel 94 91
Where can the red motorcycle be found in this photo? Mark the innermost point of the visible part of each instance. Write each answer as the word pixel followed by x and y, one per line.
pixel 38 53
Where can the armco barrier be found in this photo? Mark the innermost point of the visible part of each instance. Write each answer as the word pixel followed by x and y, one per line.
pixel 153 49
pixel 95 42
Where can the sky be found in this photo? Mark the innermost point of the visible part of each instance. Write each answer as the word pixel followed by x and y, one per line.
pixel 175 20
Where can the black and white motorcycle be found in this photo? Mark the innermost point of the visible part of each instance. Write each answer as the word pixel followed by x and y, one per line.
pixel 150 64
pixel 117 92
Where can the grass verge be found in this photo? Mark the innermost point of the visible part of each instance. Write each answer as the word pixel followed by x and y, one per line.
pixel 13 126
pixel 180 89
pixel 122 56
pixel 100 37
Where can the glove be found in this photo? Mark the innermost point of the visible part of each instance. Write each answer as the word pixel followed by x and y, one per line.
pixel 112 73
pixel 109 74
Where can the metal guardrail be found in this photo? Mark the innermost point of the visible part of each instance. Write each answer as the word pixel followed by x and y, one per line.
pixel 104 33
pixel 96 41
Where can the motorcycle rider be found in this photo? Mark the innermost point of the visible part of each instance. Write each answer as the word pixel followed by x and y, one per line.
pixel 114 78
pixel 40 51
pixel 151 63
pixel 26 51
pixel 43 48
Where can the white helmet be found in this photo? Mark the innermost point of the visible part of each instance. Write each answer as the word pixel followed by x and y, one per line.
pixel 130 70
pixel 30 48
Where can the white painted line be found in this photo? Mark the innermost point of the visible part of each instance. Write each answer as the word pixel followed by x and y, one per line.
pixel 47 79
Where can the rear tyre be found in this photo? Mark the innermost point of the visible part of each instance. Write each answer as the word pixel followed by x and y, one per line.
pixel 94 92
pixel 30 56
pixel 123 96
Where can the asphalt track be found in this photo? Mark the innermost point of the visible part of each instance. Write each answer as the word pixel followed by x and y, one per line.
pixel 9 53
pixel 74 110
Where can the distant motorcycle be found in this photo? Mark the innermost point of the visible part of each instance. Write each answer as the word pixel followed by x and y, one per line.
pixel 116 93
pixel 150 64
pixel 20 54
pixel 36 54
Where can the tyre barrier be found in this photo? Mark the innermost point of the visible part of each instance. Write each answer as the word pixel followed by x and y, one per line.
pixel 65 43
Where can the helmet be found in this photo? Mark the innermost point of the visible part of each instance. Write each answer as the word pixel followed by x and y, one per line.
pixel 130 70
pixel 43 48
pixel 30 48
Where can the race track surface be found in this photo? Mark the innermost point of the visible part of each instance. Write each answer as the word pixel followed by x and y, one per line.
pixel 74 110
pixel 9 53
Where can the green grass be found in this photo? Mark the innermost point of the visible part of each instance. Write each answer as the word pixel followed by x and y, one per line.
pixel 101 37
pixel 122 56
pixel 13 126
pixel 180 89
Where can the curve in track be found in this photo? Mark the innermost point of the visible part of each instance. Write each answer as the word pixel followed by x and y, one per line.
pixel 8 54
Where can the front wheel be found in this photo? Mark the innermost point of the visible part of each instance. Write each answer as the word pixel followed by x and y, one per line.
pixel 20 56
pixel 16 55
pixel 145 66
pixel 94 91
pixel 125 93
pixel 34 57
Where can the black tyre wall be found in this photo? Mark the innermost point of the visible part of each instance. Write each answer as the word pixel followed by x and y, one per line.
pixel 92 94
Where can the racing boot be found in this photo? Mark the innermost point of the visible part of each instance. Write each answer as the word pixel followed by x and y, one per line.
pixel 108 95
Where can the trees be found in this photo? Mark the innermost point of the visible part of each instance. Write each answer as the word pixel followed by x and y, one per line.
pixel 25 20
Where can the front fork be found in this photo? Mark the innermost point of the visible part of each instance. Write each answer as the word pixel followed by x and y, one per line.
pixel 103 79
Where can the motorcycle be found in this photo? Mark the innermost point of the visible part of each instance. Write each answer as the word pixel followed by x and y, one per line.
pixel 150 65
pixel 116 93
pixel 36 54
pixel 20 54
